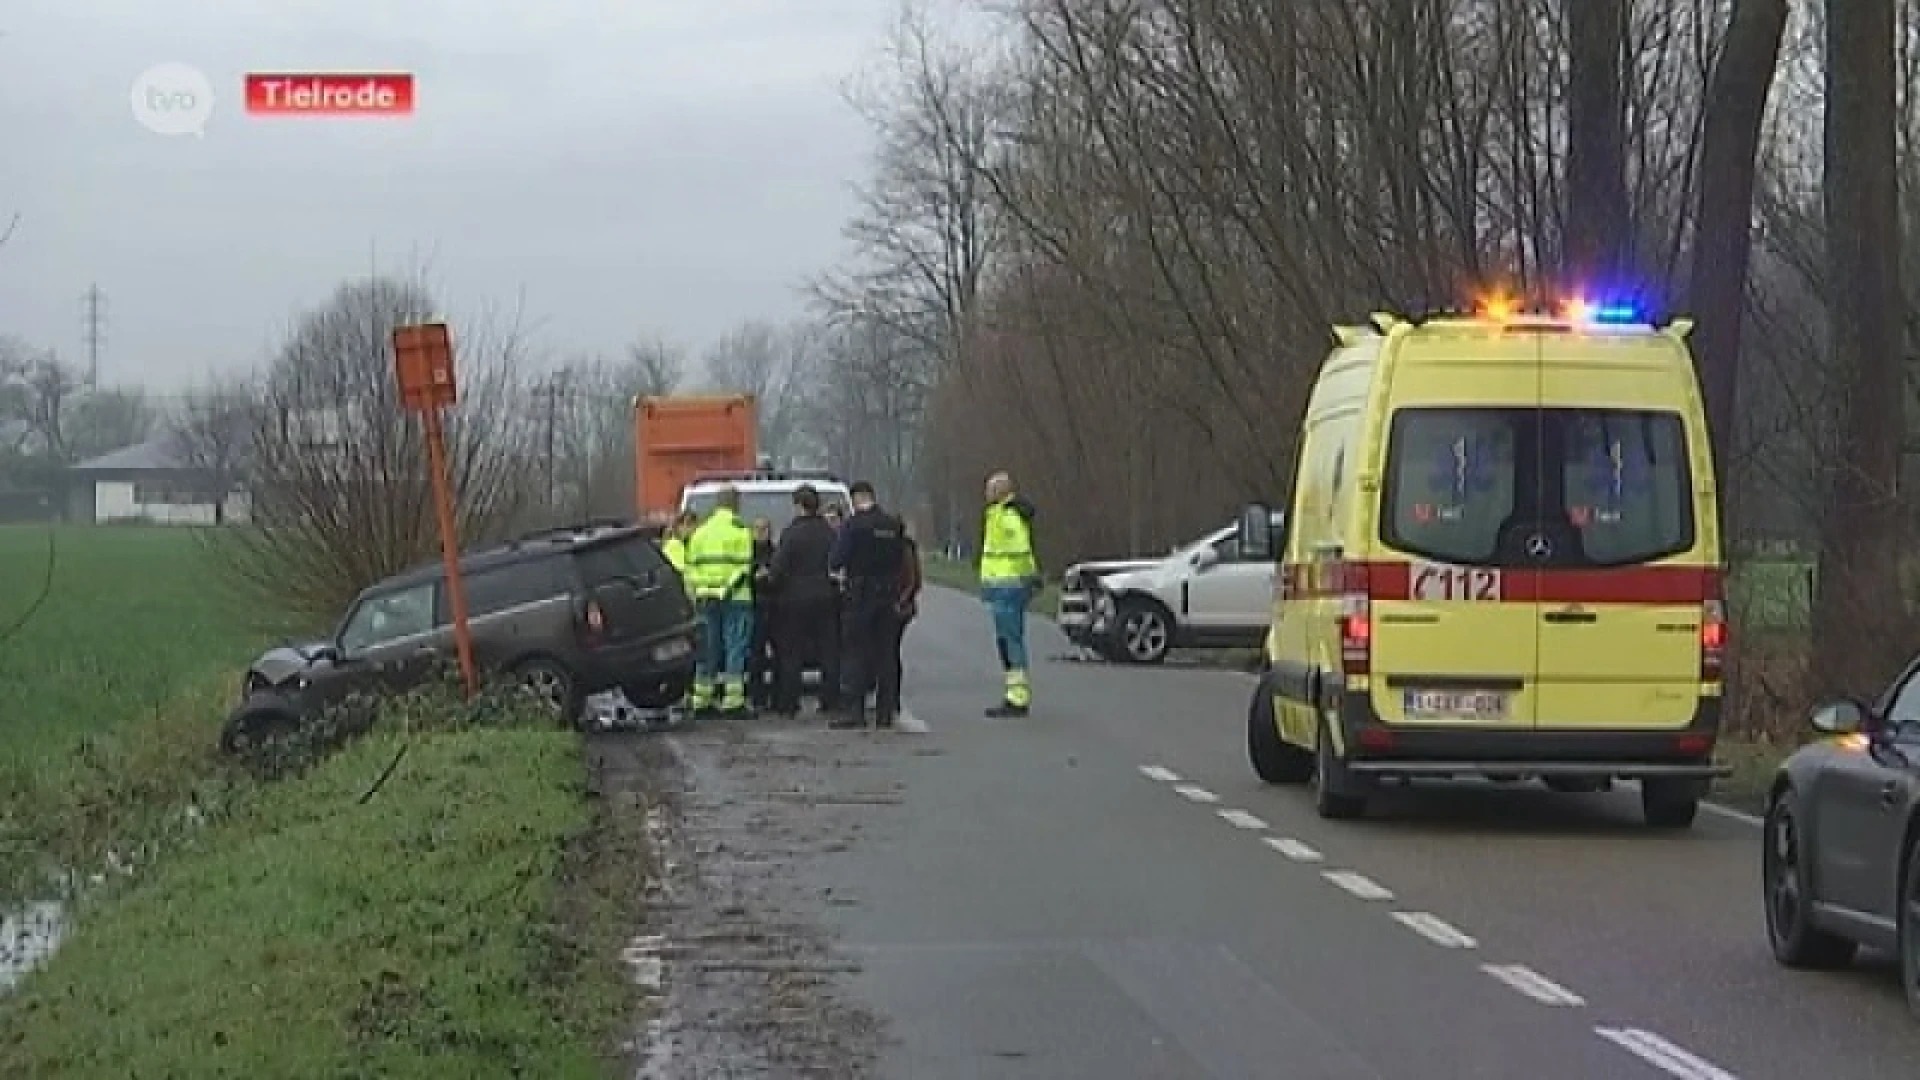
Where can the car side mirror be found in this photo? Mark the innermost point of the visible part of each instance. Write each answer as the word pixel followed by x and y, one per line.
pixel 1842 717
pixel 1205 558
pixel 1254 534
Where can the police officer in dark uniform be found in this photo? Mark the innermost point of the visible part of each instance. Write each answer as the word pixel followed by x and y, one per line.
pixel 870 554
pixel 807 621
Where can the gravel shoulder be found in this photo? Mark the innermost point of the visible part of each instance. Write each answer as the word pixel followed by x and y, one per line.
pixel 735 958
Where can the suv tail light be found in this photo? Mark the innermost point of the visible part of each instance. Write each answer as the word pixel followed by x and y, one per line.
pixel 1356 621
pixel 1713 628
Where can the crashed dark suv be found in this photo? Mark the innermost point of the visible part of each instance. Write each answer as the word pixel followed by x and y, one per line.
pixel 566 613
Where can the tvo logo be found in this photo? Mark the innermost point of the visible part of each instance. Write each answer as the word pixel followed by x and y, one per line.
pixel 173 99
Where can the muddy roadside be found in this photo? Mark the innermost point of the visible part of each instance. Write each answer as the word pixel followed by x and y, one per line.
pixel 732 956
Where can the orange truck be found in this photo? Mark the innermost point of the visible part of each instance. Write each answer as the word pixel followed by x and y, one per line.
pixel 676 439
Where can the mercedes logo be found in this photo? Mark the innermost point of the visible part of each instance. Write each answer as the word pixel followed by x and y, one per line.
pixel 1539 546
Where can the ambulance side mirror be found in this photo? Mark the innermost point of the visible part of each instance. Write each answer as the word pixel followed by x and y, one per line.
pixel 1254 535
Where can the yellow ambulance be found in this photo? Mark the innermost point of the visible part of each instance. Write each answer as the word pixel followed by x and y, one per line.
pixel 1502 560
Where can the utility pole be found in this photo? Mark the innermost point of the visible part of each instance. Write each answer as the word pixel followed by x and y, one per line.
pixel 552 390
pixel 93 331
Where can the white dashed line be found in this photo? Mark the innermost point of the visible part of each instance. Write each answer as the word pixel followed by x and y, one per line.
pixel 1196 793
pixel 1240 819
pixel 1434 929
pixel 1663 1055
pixel 1156 773
pixel 1293 849
pixel 1358 884
pixel 1533 984
pixel 1731 814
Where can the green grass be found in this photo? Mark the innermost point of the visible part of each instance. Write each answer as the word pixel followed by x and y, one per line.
pixel 421 934
pixel 135 616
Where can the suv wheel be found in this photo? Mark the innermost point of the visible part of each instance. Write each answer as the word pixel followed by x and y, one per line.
pixel 553 686
pixel 1142 631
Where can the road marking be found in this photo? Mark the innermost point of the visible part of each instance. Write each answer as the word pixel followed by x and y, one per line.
pixel 1196 793
pixel 1155 772
pixel 1358 884
pixel 1731 814
pixel 1434 929
pixel 910 723
pixel 1663 1055
pixel 1533 984
pixel 1240 819
pixel 1293 849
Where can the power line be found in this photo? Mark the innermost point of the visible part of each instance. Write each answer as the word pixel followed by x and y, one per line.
pixel 93 331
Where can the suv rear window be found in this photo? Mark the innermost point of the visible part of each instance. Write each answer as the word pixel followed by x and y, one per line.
pixel 1606 487
pixel 631 558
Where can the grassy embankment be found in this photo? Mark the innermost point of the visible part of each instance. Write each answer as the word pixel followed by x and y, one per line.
pixel 463 920
pixel 1769 609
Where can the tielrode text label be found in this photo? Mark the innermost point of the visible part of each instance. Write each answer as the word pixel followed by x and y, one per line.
pixel 325 94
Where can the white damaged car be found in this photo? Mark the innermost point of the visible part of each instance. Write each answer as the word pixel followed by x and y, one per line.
pixel 1200 596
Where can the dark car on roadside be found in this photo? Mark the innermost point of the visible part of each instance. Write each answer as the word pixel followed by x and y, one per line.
pixel 1840 866
pixel 565 613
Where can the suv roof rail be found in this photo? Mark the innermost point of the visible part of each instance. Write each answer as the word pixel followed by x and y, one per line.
pixel 558 532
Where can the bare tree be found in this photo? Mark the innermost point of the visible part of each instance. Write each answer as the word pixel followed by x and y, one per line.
pixel 1859 616
pixel 1736 104
pixel 214 433
pixel 1598 214
pixel 771 362
pixel 593 435
pixel 341 492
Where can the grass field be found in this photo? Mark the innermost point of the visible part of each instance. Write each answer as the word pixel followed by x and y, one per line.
pixel 463 921
pixel 134 617
pixel 419 934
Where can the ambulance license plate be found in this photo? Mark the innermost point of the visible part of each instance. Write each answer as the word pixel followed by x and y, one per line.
pixel 1477 704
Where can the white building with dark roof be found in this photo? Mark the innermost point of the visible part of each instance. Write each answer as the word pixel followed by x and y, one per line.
pixel 151 481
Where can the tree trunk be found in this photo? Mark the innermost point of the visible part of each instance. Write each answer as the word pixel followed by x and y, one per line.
pixel 1859 612
pixel 1735 103
pixel 1598 217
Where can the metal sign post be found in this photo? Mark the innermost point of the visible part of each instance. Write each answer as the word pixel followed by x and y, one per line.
pixel 423 364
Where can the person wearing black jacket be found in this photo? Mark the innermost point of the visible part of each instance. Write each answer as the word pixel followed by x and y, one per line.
pixel 871 553
pixel 807 623
pixel 761 650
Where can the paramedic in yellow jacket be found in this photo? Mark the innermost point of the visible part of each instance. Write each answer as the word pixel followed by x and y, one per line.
pixel 720 565
pixel 1009 575
pixel 674 547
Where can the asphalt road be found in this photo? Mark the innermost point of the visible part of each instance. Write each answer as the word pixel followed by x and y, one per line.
pixel 1105 890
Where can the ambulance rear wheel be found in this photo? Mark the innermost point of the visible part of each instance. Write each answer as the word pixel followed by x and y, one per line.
pixel 1274 760
pixel 1668 803
pixel 1333 794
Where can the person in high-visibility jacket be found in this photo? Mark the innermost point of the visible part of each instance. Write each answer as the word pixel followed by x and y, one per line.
pixel 720 566
pixel 1009 576
pixel 674 546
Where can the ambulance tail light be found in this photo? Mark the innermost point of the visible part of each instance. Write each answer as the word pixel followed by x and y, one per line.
pixel 1713 628
pixel 1356 622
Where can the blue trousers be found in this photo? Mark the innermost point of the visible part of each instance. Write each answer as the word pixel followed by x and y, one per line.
pixel 723 659
pixel 1008 603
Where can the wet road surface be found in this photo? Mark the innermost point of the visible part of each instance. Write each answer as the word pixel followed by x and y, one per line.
pixel 1105 890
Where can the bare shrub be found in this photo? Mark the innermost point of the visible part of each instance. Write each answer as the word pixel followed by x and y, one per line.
pixel 341 494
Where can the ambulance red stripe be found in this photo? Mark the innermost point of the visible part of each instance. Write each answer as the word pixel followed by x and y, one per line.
pixel 1393 580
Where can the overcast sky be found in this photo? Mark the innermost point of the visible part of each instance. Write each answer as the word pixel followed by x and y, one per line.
pixel 639 167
